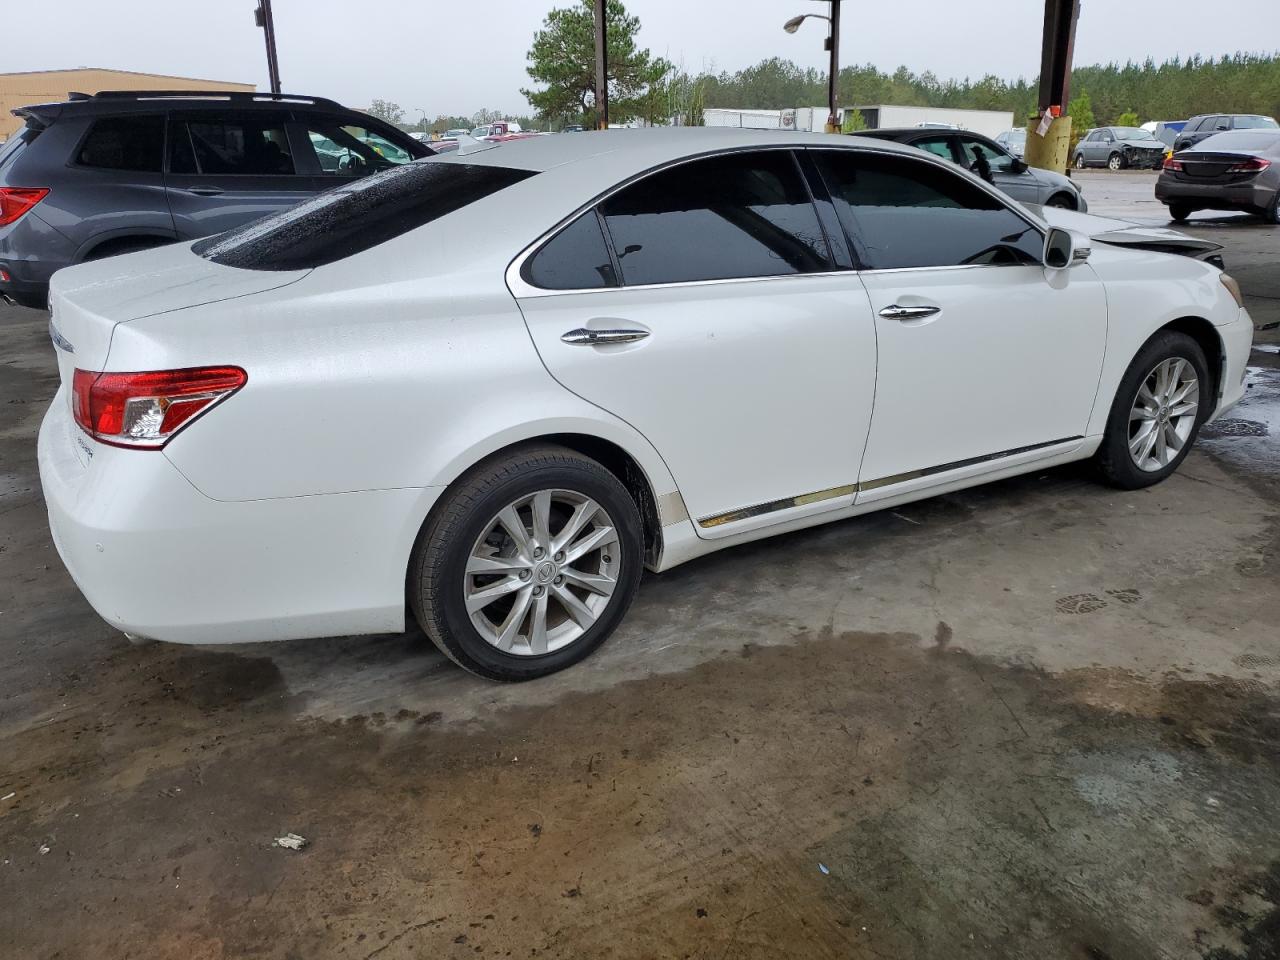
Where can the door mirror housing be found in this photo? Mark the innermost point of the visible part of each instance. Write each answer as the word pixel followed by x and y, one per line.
pixel 1018 166
pixel 1065 248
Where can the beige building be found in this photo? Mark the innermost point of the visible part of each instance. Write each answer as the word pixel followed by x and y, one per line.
pixel 47 86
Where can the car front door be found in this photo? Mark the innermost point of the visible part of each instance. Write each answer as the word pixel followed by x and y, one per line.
pixel 701 305
pixel 1022 186
pixel 984 355
pixel 228 168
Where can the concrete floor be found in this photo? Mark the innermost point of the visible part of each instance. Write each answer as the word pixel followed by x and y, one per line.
pixel 1038 719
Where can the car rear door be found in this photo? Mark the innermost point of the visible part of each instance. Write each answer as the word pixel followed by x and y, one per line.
pixel 983 354
pixel 226 168
pixel 703 306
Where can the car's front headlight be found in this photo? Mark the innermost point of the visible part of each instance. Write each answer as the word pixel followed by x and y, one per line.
pixel 1233 288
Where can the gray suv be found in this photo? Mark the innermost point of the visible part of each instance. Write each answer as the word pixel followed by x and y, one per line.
pixel 115 172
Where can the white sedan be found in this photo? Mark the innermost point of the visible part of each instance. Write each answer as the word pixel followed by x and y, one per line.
pixel 490 388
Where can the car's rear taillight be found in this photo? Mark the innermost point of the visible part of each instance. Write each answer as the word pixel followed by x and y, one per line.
pixel 1172 164
pixel 146 410
pixel 1252 165
pixel 16 201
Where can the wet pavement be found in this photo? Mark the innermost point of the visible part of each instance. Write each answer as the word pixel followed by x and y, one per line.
pixel 1036 719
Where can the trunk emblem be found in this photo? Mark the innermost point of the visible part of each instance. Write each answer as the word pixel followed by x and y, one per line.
pixel 59 341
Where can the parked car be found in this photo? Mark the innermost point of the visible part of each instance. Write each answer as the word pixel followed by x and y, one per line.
pixel 1119 148
pixel 991 162
pixel 1206 125
pixel 287 430
pixel 1237 170
pixel 1014 142
pixel 101 175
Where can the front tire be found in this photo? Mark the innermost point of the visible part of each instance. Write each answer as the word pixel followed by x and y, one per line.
pixel 1155 417
pixel 1115 162
pixel 527 564
pixel 1062 201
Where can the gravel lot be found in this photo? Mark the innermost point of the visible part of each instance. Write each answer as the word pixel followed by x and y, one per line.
pixel 1037 719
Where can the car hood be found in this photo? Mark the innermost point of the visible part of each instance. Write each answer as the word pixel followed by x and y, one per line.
pixel 1125 233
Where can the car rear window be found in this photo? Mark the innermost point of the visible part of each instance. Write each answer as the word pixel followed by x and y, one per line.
pixel 357 216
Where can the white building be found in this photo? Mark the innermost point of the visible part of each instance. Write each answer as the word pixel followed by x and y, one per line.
pixel 989 122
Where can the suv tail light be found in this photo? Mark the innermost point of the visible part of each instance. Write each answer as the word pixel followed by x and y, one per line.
pixel 15 201
pixel 1172 164
pixel 1252 165
pixel 146 410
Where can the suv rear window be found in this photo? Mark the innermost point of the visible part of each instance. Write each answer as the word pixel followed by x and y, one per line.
pixel 354 217
pixel 124 143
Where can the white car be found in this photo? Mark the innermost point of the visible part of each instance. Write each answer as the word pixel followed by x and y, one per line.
pixel 675 341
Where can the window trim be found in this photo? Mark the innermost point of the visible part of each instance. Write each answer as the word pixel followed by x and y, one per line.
pixel 522 290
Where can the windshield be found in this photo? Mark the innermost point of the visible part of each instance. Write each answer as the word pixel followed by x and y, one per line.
pixel 1017 136
pixel 1255 123
pixel 356 216
pixel 1132 133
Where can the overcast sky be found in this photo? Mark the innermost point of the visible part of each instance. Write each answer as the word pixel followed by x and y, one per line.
pixel 456 57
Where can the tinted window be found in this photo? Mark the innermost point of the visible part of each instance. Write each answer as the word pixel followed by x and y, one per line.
pixel 356 216
pixel 1254 123
pixel 905 213
pixel 741 215
pixel 575 259
pixel 232 145
pixel 124 143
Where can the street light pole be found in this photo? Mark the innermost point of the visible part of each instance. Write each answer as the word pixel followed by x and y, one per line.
pixel 262 17
pixel 833 44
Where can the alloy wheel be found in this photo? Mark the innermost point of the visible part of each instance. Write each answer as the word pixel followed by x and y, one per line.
pixel 1115 162
pixel 1163 414
pixel 542 572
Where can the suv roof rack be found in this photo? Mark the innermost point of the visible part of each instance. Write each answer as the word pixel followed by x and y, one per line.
pixel 232 95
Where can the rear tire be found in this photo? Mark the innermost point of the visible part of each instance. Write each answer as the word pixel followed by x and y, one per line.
pixel 117 248
pixel 1180 211
pixel 1079 161
pixel 1140 394
pixel 1273 213
pixel 504 608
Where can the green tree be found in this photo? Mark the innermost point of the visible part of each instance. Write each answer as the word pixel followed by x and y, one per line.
pixel 1128 119
pixel 562 58
pixel 386 110
pixel 1080 110
pixel 853 122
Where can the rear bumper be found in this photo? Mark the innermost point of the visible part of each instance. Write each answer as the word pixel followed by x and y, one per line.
pixel 31 252
pixel 158 559
pixel 1215 196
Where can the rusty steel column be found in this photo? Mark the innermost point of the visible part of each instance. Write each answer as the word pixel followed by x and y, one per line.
pixel 833 77
pixel 602 76
pixel 263 18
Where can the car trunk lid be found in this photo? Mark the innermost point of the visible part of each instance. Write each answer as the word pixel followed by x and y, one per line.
pixel 86 302
pixel 1215 167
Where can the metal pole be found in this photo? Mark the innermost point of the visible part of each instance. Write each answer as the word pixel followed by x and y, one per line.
pixel 262 16
pixel 602 77
pixel 833 44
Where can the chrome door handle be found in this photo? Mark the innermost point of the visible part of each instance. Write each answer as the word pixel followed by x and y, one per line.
pixel 896 312
pixel 593 338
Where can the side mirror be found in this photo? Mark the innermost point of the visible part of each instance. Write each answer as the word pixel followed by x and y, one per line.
pixel 1063 248
pixel 1018 166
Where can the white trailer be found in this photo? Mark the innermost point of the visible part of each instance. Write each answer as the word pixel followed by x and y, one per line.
pixel 748 119
pixel 883 116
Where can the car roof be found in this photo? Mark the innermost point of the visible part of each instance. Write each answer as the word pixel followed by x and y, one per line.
pixel 640 149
